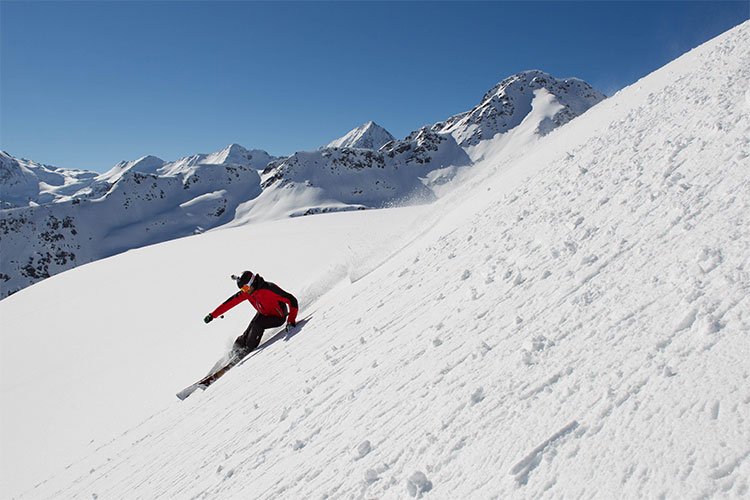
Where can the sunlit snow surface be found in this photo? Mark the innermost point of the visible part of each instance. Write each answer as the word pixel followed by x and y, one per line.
pixel 571 320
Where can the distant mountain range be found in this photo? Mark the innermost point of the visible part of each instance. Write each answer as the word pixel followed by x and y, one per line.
pixel 54 219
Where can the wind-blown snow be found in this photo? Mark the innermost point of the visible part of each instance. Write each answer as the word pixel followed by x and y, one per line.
pixel 571 321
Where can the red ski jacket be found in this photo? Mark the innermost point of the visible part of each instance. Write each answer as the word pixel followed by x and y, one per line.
pixel 267 298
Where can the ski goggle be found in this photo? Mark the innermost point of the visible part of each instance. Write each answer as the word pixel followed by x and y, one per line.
pixel 244 284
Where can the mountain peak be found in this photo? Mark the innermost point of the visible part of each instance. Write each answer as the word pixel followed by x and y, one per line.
pixel 145 165
pixel 506 105
pixel 367 136
pixel 235 148
pixel 234 154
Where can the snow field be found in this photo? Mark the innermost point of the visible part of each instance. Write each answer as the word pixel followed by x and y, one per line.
pixel 570 322
pixel 128 331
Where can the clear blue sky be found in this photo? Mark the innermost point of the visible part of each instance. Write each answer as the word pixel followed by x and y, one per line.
pixel 87 84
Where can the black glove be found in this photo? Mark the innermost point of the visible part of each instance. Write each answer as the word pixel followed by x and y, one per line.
pixel 290 326
pixel 208 319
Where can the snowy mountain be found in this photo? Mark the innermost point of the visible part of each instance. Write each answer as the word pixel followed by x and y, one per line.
pixel 507 104
pixel 568 322
pixel 368 136
pixel 84 217
pixel 343 179
pixel 24 182
pixel 342 176
pixel 133 204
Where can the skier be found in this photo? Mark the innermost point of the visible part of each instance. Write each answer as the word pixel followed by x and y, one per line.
pixel 273 304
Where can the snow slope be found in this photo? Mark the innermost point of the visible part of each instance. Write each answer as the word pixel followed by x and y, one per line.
pixel 120 336
pixel 571 321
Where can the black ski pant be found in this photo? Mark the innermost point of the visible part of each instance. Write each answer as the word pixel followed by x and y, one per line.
pixel 250 339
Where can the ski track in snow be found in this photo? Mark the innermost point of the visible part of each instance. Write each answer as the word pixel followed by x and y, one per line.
pixel 584 334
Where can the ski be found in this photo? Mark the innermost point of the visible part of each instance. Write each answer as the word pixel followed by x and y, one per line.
pixel 212 377
pixel 208 379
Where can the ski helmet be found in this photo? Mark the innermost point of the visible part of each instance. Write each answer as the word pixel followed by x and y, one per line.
pixel 245 279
